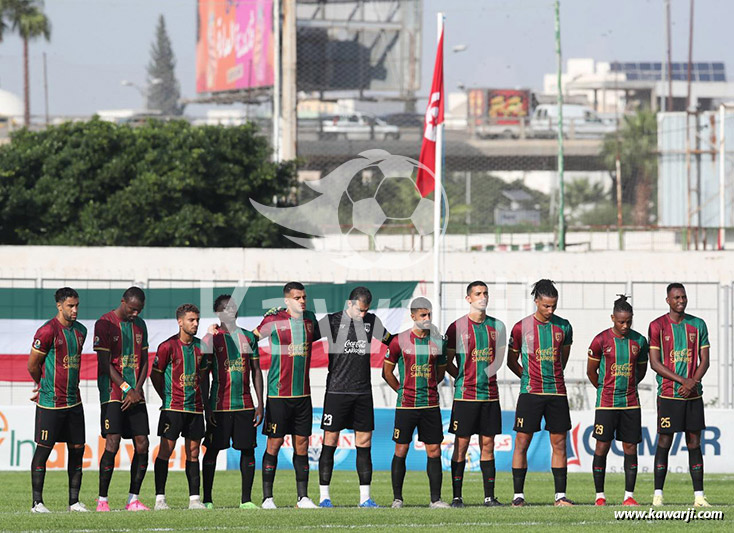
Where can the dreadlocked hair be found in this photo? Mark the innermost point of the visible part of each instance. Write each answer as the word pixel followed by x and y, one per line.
pixel 621 305
pixel 544 287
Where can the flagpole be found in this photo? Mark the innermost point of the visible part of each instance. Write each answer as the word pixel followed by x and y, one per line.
pixel 437 200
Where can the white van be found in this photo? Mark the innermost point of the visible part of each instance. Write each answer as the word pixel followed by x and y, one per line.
pixel 579 122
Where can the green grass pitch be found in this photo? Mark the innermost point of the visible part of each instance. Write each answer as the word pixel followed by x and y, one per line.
pixel 540 514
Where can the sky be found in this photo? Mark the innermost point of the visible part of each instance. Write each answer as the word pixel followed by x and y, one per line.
pixel 95 44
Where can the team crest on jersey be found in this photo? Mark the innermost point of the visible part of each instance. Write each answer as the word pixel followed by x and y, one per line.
pixel 635 349
pixel 367 327
pixel 493 334
pixel 692 337
pixel 309 327
pixel 138 338
pixel 559 336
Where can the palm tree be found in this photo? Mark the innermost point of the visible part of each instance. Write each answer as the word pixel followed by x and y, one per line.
pixel 28 19
pixel 638 158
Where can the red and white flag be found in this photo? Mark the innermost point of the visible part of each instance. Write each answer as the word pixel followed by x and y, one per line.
pixel 434 117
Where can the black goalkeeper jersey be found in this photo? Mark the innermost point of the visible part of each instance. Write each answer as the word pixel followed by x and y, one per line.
pixel 349 351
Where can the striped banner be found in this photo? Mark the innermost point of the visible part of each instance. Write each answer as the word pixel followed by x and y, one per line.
pixel 24 310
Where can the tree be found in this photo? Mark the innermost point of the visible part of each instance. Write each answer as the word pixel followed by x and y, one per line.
pixel 164 91
pixel 639 164
pixel 159 184
pixel 27 18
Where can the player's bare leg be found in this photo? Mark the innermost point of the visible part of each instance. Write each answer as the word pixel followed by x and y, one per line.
pixel 520 467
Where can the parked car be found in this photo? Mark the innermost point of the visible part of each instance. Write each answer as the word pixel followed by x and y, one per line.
pixel 578 122
pixel 357 126
pixel 405 120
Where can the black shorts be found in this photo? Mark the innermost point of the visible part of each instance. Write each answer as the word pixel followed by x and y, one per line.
pixel 475 418
pixel 175 424
pixel 680 415
pixel 625 424
pixel 348 411
pixel 288 416
pixel 60 425
pixel 235 425
pixel 427 420
pixel 532 407
pixel 129 423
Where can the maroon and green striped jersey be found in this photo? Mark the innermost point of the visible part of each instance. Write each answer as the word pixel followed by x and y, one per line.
pixel 126 343
pixel 418 359
pixel 619 359
pixel 679 347
pixel 540 345
pixel 62 347
pixel 290 341
pixel 180 365
pixel 476 345
pixel 228 357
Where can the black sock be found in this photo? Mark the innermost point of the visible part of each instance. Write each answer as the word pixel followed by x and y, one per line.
pixel 193 476
pixel 160 470
pixel 38 472
pixel 208 468
pixel 695 465
pixel 599 470
pixel 106 468
pixel 300 465
pixel 76 456
pixel 364 465
pixel 137 472
pixel 326 464
pixel 435 477
pixel 247 470
pixel 630 472
pixel 270 463
pixel 488 475
pixel 397 474
pixel 559 478
pixel 661 466
pixel 457 477
pixel 518 479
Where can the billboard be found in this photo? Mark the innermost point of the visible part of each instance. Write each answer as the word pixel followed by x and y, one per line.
pixel 234 48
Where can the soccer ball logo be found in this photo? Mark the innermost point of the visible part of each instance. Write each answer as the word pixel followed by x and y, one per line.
pixel 373 204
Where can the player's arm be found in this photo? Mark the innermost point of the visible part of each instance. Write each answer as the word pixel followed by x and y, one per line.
pixel 143 372
pixel 35 364
pixel 205 393
pixel 257 381
pixel 565 354
pixel 641 371
pixel 592 371
pixel 689 384
pixel 513 350
pixel 388 374
pixel 440 373
pixel 450 366
pixel 656 363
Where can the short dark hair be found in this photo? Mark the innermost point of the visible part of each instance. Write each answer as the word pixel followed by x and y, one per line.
pixel 362 294
pixel 221 302
pixel 134 293
pixel 420 303
pixel 475 284
pixel 65 292
pixel 544 287
pixel 186 308
pixel 621 305
pixel 292 285
pixel 675 285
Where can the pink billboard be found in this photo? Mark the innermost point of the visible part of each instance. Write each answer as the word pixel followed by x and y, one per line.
pixel 234 48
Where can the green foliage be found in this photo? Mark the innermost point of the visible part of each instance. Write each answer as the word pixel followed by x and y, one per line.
pixel 26 17
pixel 160 184
pixel 582 197
pixel 164 91
pixel 639 164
